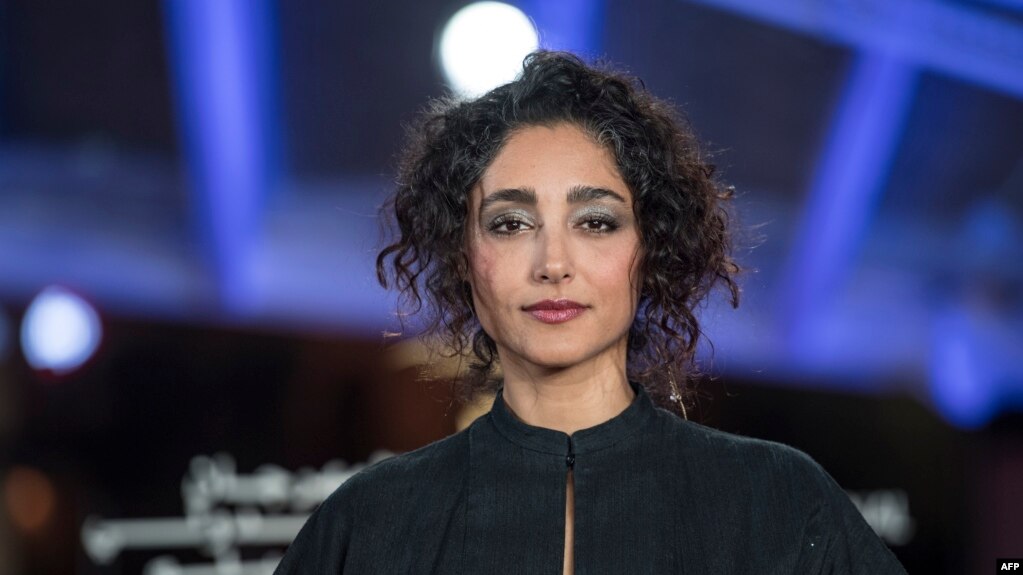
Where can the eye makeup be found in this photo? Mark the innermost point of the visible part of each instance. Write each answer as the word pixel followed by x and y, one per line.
pixel 598 214
pixel 501 223
pixel 595 219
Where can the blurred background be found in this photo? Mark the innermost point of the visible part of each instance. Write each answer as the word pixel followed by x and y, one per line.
pixel 191 350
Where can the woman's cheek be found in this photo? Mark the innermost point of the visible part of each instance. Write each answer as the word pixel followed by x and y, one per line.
pixel 485 285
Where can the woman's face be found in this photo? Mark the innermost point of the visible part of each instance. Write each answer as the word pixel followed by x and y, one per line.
pixel 553 250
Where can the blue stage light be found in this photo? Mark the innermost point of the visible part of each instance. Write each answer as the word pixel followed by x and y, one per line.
pixel 961 383
pixel 850 177
pixel 222 57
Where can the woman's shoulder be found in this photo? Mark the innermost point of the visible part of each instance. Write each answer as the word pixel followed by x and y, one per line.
pixel 780 488
pixel 438 463
pixel 364 507
pixel 719 453
pixel 769 486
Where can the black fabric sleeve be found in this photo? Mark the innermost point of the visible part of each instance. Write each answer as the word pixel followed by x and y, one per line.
pixel 322 543
pixel 838 540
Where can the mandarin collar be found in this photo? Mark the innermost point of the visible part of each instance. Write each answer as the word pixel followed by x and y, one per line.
pixel 595 438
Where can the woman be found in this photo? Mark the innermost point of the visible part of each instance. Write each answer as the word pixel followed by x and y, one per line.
pixel 566 224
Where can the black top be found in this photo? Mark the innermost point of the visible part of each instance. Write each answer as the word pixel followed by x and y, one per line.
pixel 653 494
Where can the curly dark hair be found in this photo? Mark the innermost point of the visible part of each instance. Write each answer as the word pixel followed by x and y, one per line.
pixel 681 209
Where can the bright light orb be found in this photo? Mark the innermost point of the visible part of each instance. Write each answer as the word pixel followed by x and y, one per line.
pixel 60 331
pixel 482 46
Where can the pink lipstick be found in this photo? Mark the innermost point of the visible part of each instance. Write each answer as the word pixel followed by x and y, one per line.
pixel 555 311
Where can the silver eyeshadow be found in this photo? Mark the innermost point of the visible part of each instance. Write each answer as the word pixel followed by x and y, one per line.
pixel 606 214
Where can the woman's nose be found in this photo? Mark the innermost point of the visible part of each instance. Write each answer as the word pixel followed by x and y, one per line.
pixel 552 259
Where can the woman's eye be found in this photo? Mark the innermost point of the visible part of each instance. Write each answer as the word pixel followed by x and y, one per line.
pixel 599 225
pixel 507 226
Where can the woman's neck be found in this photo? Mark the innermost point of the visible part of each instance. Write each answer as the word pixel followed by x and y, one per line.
pixel 568 401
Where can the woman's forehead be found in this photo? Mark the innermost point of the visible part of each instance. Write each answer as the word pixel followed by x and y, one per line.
pixel 558 162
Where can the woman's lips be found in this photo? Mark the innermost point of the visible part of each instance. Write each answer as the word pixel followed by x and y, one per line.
pixel 560 311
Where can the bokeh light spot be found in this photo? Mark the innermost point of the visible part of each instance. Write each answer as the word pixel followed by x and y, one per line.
pixel 483 44
pixel 30 499
pixel 60 331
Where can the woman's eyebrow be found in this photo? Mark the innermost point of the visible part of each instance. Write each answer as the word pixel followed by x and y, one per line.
pixel 580 194
pixel 514 195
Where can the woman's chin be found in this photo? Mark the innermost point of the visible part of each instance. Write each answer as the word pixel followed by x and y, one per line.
pixel 560 352
pixel 558 359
